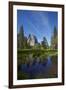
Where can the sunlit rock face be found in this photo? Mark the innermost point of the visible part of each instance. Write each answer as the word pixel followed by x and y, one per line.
pixel 31 40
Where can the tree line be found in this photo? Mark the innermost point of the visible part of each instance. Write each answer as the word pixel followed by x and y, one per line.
pixel 22 40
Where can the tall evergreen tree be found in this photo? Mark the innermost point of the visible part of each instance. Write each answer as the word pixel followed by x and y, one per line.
pixel 36 41
pixel 44 43
pixel 54 39
pixel 21 38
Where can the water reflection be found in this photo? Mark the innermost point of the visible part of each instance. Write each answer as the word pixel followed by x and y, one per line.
pixel 37 67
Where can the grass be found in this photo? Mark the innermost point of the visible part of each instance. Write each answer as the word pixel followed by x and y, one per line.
pixel 36 50
pixel 23 54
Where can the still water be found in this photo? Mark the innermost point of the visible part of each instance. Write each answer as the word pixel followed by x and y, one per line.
pixel 38 68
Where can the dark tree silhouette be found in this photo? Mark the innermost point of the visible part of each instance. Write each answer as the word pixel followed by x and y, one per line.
pixel 21 39
pixel 44 43
pixel 54 39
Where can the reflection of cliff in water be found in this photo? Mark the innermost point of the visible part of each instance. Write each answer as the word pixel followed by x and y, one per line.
pixel 38 67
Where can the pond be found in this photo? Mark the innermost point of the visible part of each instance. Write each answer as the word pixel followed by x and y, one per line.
pixel 32 66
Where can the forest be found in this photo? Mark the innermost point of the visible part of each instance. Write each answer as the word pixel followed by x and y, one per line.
pixel 23 44
pixel 32 55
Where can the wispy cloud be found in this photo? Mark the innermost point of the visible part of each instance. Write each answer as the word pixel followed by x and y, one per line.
pixel 33 26
pixel 41 18
pixel 39 23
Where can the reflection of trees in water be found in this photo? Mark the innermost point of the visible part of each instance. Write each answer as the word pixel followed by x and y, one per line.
pixel 35 58
pixel 37 65
pixel 54 59
pixel 54 68
pixel 31 59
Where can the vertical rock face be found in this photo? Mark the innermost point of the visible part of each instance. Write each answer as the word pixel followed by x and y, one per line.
pixel 31 40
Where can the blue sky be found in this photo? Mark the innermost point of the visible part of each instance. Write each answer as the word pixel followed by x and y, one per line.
pixel 38 23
